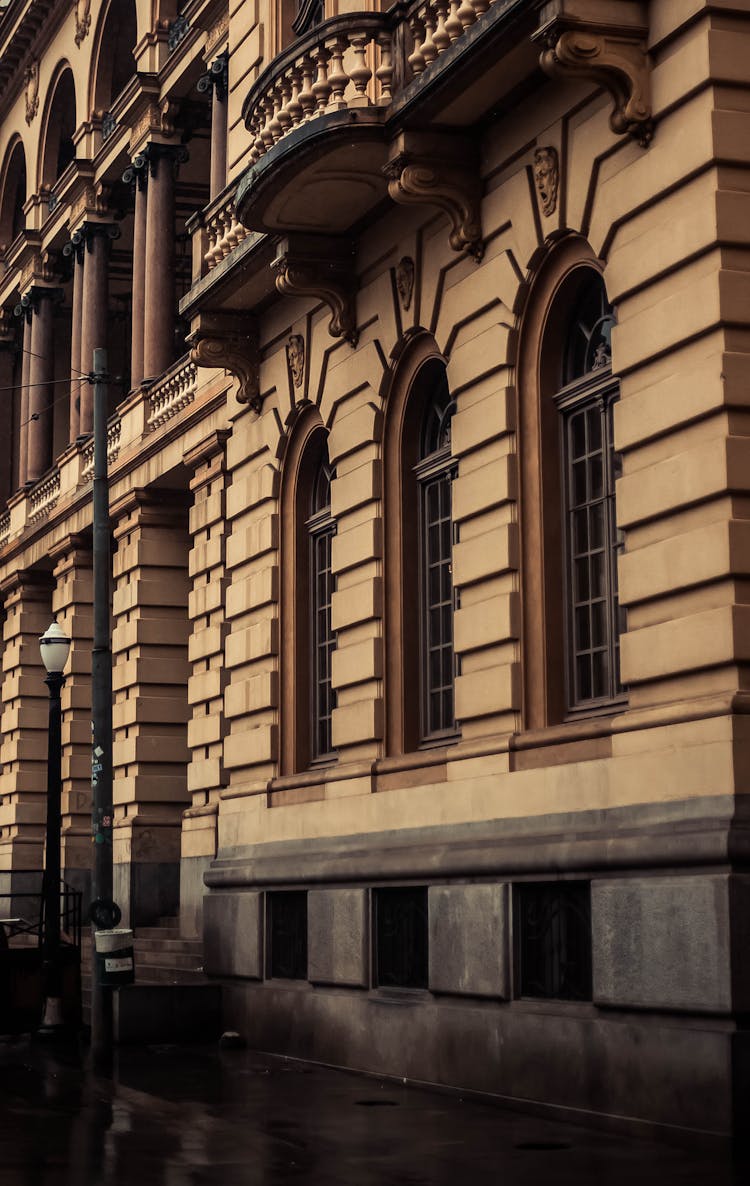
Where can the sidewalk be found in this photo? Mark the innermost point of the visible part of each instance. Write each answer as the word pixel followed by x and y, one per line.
pixel 178 1116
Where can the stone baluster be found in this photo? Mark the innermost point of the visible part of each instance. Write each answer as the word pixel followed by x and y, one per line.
pixel 466 14
pixel 337 76
pixel 306 95
pixel 321 88
pixel 453 26
pixel 384 72
pixel 416 59
pixel 361 73
pixel 441 37
pixel 294 107
pixel 429 50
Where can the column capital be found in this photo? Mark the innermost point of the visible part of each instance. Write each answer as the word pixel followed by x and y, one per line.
pixel 145 164
pixel 33 297
pixel 216 78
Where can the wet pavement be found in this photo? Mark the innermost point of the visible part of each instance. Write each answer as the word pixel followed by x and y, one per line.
pixel 188 1116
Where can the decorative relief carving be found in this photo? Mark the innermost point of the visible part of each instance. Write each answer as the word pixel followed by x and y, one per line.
pixel 31 84
pixel 218 30
pixel 453 189
pixel 82 9
pixel 615 59
pixel 295 358
pixel 217 343
pixel 300 272
pixel 405 280
pixel 547 177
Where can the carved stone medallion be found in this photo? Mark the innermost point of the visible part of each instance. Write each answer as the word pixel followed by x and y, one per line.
pixel 31 83
pixel 295 357
pixel 405 280
pixel 547 177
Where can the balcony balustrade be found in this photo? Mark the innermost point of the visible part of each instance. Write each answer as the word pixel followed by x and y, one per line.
pixel 4 528
pixel 114 431
pixel 224 231
pixel 44 496
pixel 172 393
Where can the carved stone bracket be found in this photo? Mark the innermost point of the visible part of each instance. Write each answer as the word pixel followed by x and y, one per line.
pixel 434 181
pixel 222 341
pixel 613 56
pixel 306 270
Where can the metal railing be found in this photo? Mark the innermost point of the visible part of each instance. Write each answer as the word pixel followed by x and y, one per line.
pixel 22 913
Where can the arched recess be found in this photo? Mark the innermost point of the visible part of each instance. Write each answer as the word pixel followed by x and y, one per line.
pixel 306 530
pixel 562 283
pixel 113 63
pixel 418 389
pixel 13 193
pixel 60 121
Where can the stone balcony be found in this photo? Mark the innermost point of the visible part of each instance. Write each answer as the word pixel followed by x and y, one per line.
pixel 324 115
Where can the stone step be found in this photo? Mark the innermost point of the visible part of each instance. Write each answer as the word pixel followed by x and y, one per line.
pixel 171 946
pixel 168 959
pixel 159 974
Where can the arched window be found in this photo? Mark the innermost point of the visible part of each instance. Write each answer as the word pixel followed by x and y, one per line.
pixel 568 537
pixel 59 149
pixel 12 218
pixel 307 695
pixel 320 531
pixel 115 64
pixel 590 468
pixel 419 597
pixel 434 472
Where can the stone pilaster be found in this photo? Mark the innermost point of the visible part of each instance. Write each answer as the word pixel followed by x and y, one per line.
pixel 72 603
pixel 149 679
pixel 206 728
pixel 23 775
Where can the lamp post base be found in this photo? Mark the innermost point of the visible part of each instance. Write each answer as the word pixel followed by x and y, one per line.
pixel 52 1021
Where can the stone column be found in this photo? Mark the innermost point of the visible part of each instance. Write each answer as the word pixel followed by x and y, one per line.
pixel 206 728
pixel 23 443
pixel 76 382
pixel 94 311
pixel 139 279
pixel 41 373
pixel 150 674
pixel 7 358
pixel 217 79
pixel 72 604
pixel 159 299
pixel 23 726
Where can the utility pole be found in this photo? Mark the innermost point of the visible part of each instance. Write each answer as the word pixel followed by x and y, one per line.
pixel 101 704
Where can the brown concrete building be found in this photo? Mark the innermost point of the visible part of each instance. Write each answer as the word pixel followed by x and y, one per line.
pixel 430 478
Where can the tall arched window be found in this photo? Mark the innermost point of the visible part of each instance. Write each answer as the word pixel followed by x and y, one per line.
pixel 419 596
pixel 590 468
pixel 307 530
pixel 320 530
pixel 60 124
pixel 569 541
pixel 434 472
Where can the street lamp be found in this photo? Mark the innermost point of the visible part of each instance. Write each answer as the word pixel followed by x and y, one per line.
pixel 54 646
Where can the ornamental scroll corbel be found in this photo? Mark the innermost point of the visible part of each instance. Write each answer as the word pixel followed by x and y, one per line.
pixel 214 343
pixel 328 277
pixel 453 189
pixel 616 58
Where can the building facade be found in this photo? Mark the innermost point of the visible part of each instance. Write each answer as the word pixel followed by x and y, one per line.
pixel 428 335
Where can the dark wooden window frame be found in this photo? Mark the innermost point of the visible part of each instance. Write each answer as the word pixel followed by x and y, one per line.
pixel 407 393
pixel 543 348
pixel 305 450
pixel 321 530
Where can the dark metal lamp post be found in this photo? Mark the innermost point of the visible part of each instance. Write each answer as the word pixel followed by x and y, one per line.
pixel 55 648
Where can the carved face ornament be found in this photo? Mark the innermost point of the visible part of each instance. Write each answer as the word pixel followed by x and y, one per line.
pixel 405 280
pixel 31 81
pixel 546 177
pixel 295 357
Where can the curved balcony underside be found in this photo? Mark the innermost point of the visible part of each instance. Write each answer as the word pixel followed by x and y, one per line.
pixel 322 177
